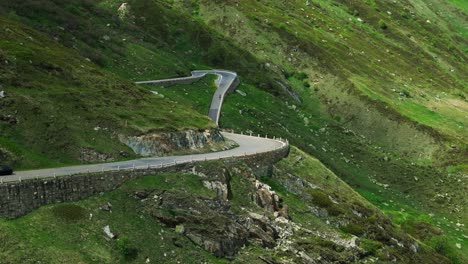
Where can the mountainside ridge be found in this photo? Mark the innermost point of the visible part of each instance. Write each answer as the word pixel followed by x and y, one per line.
pixel 375 90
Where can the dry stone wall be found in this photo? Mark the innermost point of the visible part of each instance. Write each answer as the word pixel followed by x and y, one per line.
pixel 20 198
pixel 169 82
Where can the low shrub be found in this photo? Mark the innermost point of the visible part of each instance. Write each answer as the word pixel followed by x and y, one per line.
pixel 69 212
pixel 354 229
pixel 125 248
pixel 382 24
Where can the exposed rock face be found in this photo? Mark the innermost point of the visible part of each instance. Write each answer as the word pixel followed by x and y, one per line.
pixel 206 222
pixel 90 155
pixel 161 144
pixel 217 180
pixel 210 223
pixel 220 188
pixel 264 196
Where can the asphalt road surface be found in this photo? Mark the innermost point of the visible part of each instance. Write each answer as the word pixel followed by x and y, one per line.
pixel 226 80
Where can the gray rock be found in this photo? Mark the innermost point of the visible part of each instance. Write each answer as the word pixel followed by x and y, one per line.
pixel 106 207
pixel 241 92
pixel 160 144
pixel 107 231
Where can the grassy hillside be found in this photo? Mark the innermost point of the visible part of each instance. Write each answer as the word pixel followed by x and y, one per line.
pixel 73 232
pixel 382 89
pixel 375 90
pixel 407 193
pixel 408 56
pixel 58 103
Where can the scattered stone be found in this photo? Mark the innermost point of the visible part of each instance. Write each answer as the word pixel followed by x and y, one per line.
pixel 107 231
pixel 123 10
pixel 398 243
pixel 241 92
pixel 141 195
pixel 106 207
pixel 414 247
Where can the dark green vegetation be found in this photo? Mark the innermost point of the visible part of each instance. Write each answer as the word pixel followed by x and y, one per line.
pixel 58 103
pixel 68 234
pixel 146 227
pixel 376 90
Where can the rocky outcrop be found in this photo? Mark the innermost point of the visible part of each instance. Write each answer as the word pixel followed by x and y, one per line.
pixel 161 144
pixel 209 223
pixel 216 180
pixel 206 222
pixel 6 155
pixel 263 195
pixel 90 155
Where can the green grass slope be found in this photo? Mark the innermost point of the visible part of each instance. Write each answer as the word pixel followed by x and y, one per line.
pixel 73 232
pixel 405 191
pixel 381 87
pixel 58 103
pixel 409 56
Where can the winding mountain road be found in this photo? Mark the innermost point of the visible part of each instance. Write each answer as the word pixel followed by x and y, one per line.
pixel 248 145
pixel 227 80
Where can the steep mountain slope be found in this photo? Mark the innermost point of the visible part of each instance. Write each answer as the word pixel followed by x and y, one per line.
pixel 57 104
pixel 376 90
pixel 305 213
pixel 406 55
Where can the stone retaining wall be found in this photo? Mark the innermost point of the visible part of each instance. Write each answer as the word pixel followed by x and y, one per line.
pixel 20 198
pixel 169 82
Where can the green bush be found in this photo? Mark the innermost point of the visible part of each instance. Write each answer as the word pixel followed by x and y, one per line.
pixel 354 229
pixel 442 245
pixel 371 246
pixel 300 76
pixel 69 212
pixel 382 24
pixel 320 198
pixel 125 248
